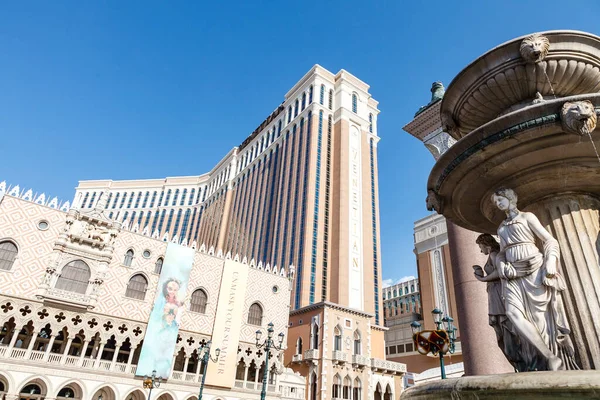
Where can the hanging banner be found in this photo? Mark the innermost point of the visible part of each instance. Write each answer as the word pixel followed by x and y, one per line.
pixel 163 325
pixel 228 321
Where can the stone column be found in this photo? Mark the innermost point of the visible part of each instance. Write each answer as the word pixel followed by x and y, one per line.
pixel 130 358
pixel 99 354
pixel 481 354
pixel 13 340
pixel 49 347
pixel 32 341
pixel 66 350
pixel 84 347
pixel 114 359
pixel 185 366
pixel 573 220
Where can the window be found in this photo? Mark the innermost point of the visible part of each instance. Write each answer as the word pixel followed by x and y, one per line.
pixel 191 199
pixel 146 199
pixel 8 254
pixel 158 265
pixel 331 99
pixel 303 101
pixel 322 95
pixel 310 94
pixel 354 103
pixel 289 114
pixel 356 389
pixel 337 340
pixel 299 346
pixel 198 301
pixel 136 288
pixel 74 277
pixel 296 106
pixel 255 314
pixel 347 387
pixel 357 346
pixel 66 392
pixel 337 387
pixel 128 258
pixel 370 122
pixel 175 197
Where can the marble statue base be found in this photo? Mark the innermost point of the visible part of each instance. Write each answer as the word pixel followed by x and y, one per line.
pixel 514 386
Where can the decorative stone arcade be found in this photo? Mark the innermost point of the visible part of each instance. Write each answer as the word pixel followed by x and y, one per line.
pixel 524 116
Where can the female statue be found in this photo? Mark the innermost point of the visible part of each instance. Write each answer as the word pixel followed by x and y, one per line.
pixel 505 335
pixel 532 287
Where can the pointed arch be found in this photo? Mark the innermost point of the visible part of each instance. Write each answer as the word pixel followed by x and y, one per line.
pixel 337 338
pixel 336 389
pixel 137 287
pixel 255 314
pixel 74 277
pixel 198 301
pixel 357 342
pixel 8 254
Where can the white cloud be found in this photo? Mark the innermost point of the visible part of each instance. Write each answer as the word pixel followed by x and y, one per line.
pixel 391 282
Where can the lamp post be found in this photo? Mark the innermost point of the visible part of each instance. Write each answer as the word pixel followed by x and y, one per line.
pixel 206 357
pixel 268 343
pixel 439 341
pixel 151 382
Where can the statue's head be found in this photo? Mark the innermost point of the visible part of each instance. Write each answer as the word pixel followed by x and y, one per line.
pixel 487 243
pixel 505 199
pixel 534 48
pixel 578 117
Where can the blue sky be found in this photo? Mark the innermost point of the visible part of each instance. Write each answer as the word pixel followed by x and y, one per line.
pixel 148 89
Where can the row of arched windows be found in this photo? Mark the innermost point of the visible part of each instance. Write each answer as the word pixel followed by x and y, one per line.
pixel 75 277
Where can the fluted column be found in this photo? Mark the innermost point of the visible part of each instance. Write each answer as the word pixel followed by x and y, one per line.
pixel 481 354
pixel 573 219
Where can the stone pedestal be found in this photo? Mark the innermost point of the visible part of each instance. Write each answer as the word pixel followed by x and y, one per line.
pixel 481 353
pixel 548 385
pixel 573 219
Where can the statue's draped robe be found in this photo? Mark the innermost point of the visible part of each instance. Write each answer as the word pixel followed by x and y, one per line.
pixel 528 290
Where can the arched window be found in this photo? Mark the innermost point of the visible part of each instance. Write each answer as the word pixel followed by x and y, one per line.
pixel 347 387
pixel 31 391
pixel 337 339
pixel 289 114
pixel 299 346
pixel 85 199
pixel 354 103
pixel 8 254
pixel 198 301
pixel 116 200
pixel 137 286
pixel 303 101
pixel 296 106
pixel 322 95
pixel 337 387
pixel 371 122
pixel 255 314
pixel 175 197
pixel 406 290
pixel 74 277
pixel 158 265
pixel 331 99
pixel 128 258
pixel 146 199
pixel 310 94
pixel 66 393
pixel 356 389
pixel 315 337
pixel 192 195
pixel 357 345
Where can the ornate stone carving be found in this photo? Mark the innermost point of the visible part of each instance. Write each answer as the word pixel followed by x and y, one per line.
pixel 532 288
pixel 434 202
pixel 578 117
pixel 534 48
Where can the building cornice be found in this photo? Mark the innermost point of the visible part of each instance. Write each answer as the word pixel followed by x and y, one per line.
pixel 335 306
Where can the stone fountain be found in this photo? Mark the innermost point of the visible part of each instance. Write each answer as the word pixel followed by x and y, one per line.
pixel 524 116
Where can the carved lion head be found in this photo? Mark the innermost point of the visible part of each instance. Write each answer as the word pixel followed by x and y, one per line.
pixel 578 117
pixel 534 48
pixel 433 201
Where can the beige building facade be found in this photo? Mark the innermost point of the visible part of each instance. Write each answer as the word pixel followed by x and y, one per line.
pixel 76 291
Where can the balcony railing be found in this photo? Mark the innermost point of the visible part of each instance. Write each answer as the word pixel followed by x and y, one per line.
pixel 253 386
pixel 312 354
pixel 360 361
pixel 385 365
pixel 339 356
pixel 297 358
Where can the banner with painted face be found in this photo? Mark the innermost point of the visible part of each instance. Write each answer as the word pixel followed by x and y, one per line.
pixel 163 325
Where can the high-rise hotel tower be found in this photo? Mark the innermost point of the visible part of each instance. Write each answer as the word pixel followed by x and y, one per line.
pixel 300 190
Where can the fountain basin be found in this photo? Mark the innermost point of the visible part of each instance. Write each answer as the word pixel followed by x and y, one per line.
pixel 501 80
pixel 526 150
pixel 548 385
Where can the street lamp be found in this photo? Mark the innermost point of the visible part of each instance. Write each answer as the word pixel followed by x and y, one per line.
pixel 151 383
pixel 268 343
pixel 437 342
pixel 205 357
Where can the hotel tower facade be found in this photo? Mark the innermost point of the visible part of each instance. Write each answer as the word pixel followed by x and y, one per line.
pixel 300 190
